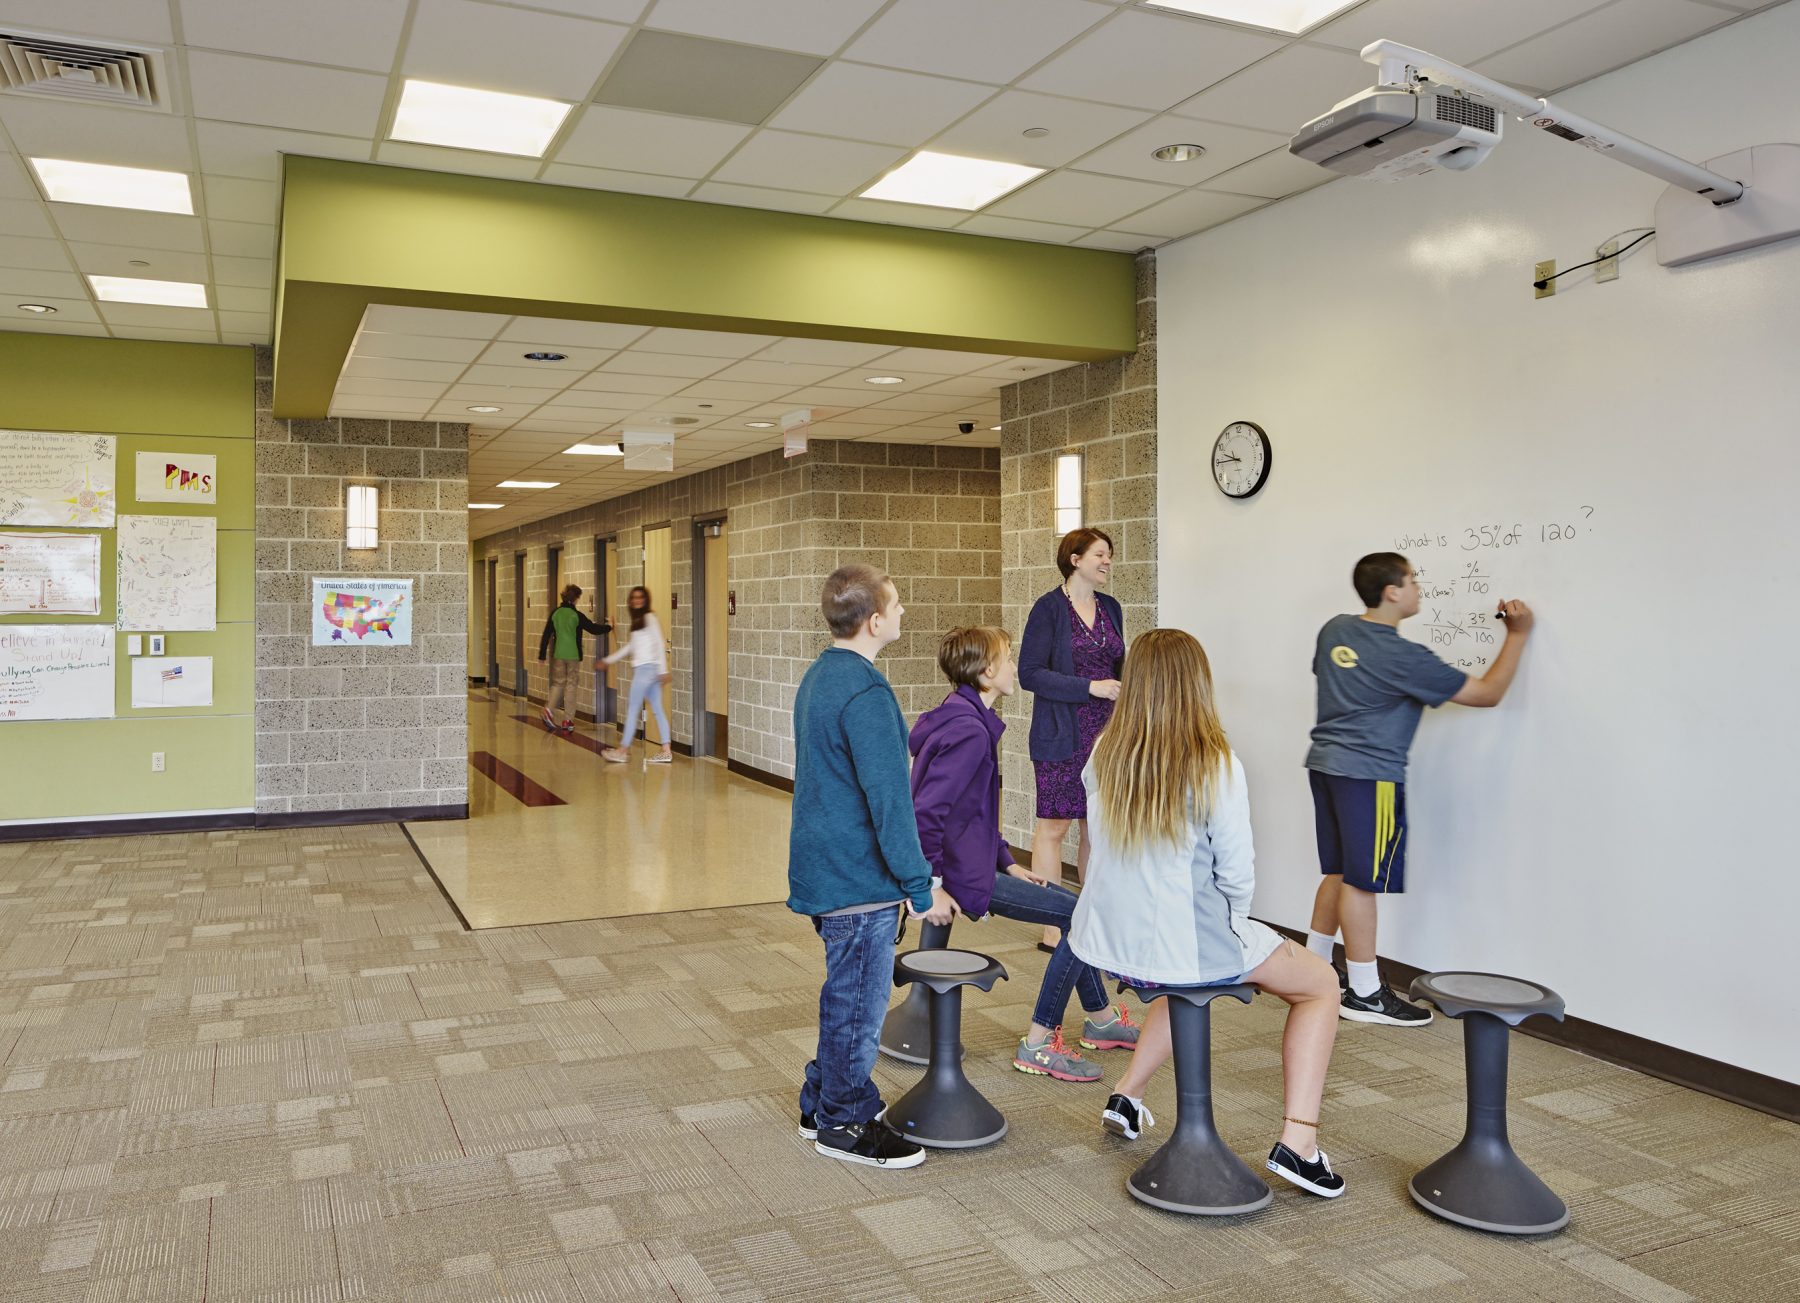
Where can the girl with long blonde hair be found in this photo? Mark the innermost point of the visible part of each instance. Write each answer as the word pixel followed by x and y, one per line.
pixel 1170 878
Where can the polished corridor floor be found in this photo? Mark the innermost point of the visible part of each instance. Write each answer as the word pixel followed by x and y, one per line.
pixel 555 833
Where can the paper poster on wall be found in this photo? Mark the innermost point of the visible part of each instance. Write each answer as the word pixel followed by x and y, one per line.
pixel 56 671
pixel 168 572
pixel 49 574
pixel 165 681
pixel 177 477
pixel 362 612
pixel 57 479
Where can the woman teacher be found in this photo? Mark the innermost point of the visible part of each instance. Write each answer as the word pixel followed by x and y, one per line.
pixel 1069 661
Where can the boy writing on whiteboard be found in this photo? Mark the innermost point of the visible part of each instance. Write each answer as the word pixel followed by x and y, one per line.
pixel 1373 686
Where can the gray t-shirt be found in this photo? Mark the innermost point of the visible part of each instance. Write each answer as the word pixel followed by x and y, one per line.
pixel 1373 686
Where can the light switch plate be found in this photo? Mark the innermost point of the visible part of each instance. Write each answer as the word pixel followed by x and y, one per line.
pixel 134 644
pixel 156 644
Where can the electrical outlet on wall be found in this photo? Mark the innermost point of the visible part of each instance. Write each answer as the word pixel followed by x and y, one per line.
pixel 156 762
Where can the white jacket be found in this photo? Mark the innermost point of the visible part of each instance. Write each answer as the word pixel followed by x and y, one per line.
pixel 1173 913
pixel 645 647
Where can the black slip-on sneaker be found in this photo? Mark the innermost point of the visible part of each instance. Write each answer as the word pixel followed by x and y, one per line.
pixel 1124 1119
pixel 1315 1177
pixel 809 1127
pixel 875 1144
pixel 1381 1006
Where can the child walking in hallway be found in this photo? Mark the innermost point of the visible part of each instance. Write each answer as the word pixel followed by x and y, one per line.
pixel 649 671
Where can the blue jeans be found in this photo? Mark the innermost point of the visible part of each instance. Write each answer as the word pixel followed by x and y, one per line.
pixel 1015 898
pixel 645 682
pixel 859 975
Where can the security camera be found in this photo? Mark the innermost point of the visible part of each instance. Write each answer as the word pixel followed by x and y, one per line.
pixel 965 427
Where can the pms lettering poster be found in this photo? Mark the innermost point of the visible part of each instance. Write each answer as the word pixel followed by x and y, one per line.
pixel 178 477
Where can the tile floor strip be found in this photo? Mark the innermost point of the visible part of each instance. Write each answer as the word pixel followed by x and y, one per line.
pixel 582 740
pixel 512 781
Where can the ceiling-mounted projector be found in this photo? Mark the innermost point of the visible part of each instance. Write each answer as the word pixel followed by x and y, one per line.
pixel 1389 132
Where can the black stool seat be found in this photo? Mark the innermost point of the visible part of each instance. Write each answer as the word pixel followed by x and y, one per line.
pixel 943 1110
pixel 906 1031
pixel 1194 1172
pixel 1482 1182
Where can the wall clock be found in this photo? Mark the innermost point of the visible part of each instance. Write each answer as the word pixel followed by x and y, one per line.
pixel 1241 458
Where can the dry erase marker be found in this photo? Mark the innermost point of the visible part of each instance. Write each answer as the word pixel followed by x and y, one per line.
pixel 1500 614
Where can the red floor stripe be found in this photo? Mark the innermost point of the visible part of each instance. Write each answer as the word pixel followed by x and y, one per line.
pixel 581 740
pixel 512 781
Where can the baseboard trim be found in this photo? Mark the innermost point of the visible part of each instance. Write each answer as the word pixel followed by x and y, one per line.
pixel 763 776
pixel 70 829
pixel 374 814
pixel 1724 1081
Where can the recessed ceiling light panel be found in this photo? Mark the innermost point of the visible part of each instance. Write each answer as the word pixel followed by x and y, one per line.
pixel 1290 17
pixel 594 450
pixel 68 182
pixel 486 506
pixel 484 408
pixel 950 181
pixel 432 113
pixel 760 425
pixel 164 294
pixel 528 484
pixel 883 380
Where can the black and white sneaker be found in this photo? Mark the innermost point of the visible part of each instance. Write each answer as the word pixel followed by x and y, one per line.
pixel 1315 1177
pixel 1381 1006
pixel 1124 1119
pixel 809 1127
pixel 1343 978
pixel 875 1144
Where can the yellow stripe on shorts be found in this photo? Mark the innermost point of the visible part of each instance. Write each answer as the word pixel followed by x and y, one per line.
pixel 1384 830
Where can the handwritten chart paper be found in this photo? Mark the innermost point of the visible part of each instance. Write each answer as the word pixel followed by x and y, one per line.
pixel 49 574
pixel 177 477
pixel 57 479
pixel 353 612
pixel 56 671
pixel 168 572
pixel 171 681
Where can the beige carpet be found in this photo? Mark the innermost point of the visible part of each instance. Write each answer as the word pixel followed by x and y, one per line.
pixel 273 1067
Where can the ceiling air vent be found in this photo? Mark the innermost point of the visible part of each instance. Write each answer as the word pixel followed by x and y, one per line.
pixel 90 72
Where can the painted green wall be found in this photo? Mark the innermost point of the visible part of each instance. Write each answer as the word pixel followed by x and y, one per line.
pixel 156 397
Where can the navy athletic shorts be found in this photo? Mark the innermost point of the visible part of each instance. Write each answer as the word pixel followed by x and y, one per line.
pixel 1361 826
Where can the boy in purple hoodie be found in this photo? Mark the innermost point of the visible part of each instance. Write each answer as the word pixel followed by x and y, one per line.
pixel 956 800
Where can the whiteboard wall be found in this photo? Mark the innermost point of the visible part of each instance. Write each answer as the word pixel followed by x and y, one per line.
pixel 56 671
pixel 1619 828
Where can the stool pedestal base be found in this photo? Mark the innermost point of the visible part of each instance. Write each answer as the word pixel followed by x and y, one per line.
pixel 944 1110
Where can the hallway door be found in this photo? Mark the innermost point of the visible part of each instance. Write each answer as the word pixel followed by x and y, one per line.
pixel 659 579
pixel 713 621
pixel 521 682
pixel 606 710
pixel 493 622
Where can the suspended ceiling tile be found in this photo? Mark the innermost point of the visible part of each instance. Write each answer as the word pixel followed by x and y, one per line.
pixel 346 33
pixel 1192 211
pixel 776 373
pixel 520 51
pixel 388 320
pixel 1461 33
pixel 1080 199
pixel 826 352
pixel 416 348
pixel 1284 92
pixel 812 26
pixel 238 199
pixel 41 255
pixel 702 343
pixel 737 390
pixel 1226 147
pixel 394 408
pixel 237 298
pixel 389 388
pixel 243 271
pixel 71 307
pixel 918 403
pixel 170 334
pixel 837 397
pixel 233 149
pixel 658 364
pixel 89 224
pixel 14 182
pixel 1272 176
pixel 41 286
pixel 471 390
pixel 1149 61
pixel 966 386
pixel 938 361
pixel 615 382
pixel 699 78
pixel 466 162
pixel 12 319
pixel 242 239
pixel 95 134
pixel 1599 42
pixel 892 214
pixel 579 334
pixel 511 353
pixel 245 322
pixel 515 380
pixel 1014 228
pixel 25 217
pixel 113 20
pixel 144 314
pixel 812 164
pixel 617 11
pixel 995 130
pixel 631 183
pixel 234 88
pixel 878 104
pixel 659 143
pixel 400 368
pixel 745 196
pixel 982 40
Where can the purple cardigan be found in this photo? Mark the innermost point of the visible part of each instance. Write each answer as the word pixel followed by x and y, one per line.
pixel 956 796
pixel 1047 672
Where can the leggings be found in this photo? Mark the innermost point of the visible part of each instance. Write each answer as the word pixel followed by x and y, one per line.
pixel 646 681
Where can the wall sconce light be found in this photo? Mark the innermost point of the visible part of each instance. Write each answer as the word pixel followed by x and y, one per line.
pixel 1068 492
pixel 362 513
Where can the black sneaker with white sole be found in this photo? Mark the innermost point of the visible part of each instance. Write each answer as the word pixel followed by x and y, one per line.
pixel 1124 1119
pixel 1343 978
pixel 1381 1006
pixel 874 1144
pixel 809 1127
pixel 1314 1176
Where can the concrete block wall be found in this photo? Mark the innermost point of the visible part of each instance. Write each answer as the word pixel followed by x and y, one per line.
pixel 1107 412
pixel 361 726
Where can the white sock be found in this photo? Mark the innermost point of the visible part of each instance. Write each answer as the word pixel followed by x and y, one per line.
pixel 1321 944
pixel 1364 979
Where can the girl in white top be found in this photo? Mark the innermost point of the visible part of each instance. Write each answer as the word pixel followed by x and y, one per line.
pixel 1167 897
pixel 649 671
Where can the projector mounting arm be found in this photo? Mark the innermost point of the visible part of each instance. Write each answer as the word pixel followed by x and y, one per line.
pixel 1401 65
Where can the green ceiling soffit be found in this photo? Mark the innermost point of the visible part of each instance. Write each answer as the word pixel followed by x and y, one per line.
pixel 354 234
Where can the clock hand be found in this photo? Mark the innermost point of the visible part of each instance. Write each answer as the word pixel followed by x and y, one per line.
pixel 1220 461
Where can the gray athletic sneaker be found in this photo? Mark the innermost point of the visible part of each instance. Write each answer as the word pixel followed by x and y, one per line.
pixel 1116 1032
pixel 1055 1058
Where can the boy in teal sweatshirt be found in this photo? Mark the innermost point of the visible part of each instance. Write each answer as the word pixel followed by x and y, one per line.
pixel 854 861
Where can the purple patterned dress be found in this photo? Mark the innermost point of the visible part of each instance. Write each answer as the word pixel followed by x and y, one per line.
pixel 1060 794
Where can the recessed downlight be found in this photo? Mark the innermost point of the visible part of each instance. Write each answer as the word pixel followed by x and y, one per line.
pixel 760 425
pixel 528 484
pixel 1035 133
pixel 1178 153
pixel 546 356
pixel 883 380
pixel 484 408
pixel 41 309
